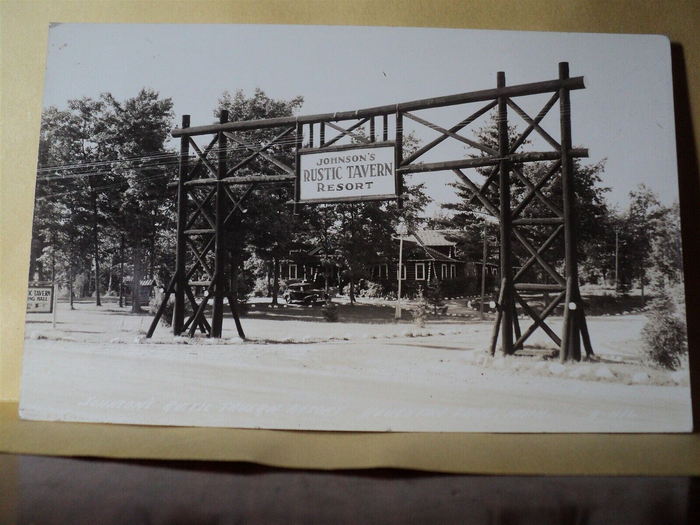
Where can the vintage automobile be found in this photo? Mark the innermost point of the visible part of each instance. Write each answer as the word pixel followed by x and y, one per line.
pixel 304 293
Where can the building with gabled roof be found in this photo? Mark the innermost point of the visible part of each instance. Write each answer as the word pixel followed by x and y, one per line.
pixel 429 257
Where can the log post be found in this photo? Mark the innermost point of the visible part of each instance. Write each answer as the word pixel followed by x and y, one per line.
pixel 220 250
pixel 178 320
pixel 506 227
pixel 574 316
pixel 570 345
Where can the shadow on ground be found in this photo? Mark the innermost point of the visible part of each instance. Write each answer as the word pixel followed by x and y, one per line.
pixel 358 313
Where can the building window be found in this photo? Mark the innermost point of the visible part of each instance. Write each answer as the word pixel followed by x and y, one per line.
pixel 453 271
pixel 403 272
pixel 443 271
pixel 380 271
pixel 420 271
pixel 293 272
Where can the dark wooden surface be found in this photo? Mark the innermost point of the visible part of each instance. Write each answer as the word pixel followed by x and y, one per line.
pixel 48 490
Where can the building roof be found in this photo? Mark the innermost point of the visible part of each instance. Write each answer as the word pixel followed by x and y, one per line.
pixel 430 237
pixel 429 254
pixel 435 238
pixel 146 281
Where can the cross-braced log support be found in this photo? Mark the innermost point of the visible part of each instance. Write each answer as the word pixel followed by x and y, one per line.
pixel 530 193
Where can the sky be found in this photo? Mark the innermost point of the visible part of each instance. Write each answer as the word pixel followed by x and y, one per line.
pixel 624 115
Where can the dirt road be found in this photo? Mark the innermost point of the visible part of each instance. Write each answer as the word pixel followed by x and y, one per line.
pixel 437 382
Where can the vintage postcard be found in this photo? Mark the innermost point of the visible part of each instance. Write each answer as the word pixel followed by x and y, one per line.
pixel 357 228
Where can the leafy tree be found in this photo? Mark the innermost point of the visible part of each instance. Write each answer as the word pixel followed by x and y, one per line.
pixel 638 226
pixel 268 228
pixel 71 177
pixel 650 242
pixel 136 131
pixel 101 173
pixel 666 257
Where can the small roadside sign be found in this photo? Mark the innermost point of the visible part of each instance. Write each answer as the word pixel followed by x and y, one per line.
pixel 40 299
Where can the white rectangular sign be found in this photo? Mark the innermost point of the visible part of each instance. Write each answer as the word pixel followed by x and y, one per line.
pixel 40 299
pixel 347 173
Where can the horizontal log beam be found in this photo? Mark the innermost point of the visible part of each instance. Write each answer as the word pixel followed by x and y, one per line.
pixel 258 179
pixel 423 167
pixel 518 158
pixel 539 287
pixel 534 88
pixel 539 220
pixel 239 180
pixel 536 156
pixel 199 182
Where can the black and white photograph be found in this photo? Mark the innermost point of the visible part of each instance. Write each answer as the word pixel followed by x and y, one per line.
pixel 356 229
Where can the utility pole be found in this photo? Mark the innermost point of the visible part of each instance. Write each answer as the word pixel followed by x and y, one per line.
pixel 483 272
pixel 121 272
pixel 401 230
pixel 617 258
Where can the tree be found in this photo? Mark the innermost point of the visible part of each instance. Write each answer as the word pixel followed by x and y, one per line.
pixel 666 267
pixel 650 242
pixel 638 226
pixel 101 173
pixel 135 132
pixel 70 178
pixel 268 228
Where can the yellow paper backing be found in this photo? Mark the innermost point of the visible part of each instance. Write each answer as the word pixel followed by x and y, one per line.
pixel 23 41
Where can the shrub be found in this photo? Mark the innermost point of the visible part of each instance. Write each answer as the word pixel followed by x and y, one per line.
pixel 390 295
pixel 260 288
pixel 243 287
pixel 420 311
pixel 664 335
pixel 372 289
pixel 282 284
pixel 434 294
pixel 330 311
